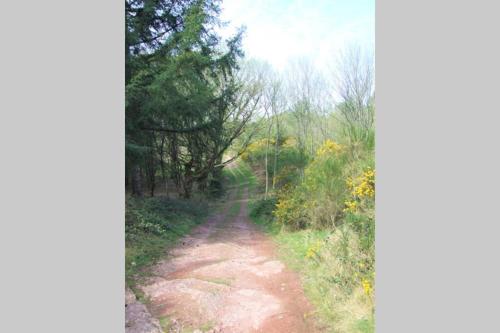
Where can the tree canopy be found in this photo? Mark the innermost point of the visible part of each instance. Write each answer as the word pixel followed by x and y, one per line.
pixel 185 105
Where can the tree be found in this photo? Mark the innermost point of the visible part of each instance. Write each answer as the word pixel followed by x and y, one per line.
pixel 184 104
pixel 274 103
pixel 354 83
pixel 305 88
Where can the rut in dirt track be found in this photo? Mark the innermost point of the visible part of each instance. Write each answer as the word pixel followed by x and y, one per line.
pixel 225 277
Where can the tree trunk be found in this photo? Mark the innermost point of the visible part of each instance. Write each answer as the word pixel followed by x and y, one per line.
pixel 136 181
pixel 162 164
pixel 276 148
pixel 202 183
pixel 267 172
pixel 152 188
pixel 187 182
pixel 164 178
pixel 151 173
pixel 267 153
pixel 175 164
pixel 187 187
pixel 161 156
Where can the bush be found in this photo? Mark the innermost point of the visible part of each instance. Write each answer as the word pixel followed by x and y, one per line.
pixel 291 208
pixel 216 187
pixel 332 216
pixel 291 160
pixel 263 208
pixel 318 200
pixel 360 208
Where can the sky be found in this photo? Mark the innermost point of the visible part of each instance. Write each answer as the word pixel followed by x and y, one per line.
pixel 278 31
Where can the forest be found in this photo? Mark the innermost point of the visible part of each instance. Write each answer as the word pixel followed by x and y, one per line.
pixel 202 120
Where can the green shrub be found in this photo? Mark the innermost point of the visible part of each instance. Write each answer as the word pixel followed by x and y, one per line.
pixel 216 184
pixel 263 208
pixel 318 200
pixel 290 163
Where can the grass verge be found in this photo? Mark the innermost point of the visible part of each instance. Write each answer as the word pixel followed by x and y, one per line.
pixel 153 225
pixel 327 265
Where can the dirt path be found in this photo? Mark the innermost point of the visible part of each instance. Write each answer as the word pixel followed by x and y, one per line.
pixel 225 278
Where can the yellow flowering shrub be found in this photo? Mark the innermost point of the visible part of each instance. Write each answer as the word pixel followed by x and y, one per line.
pixel 329 147
pixel 289 208
pixel 317 200
pixel 255 148
pixel 367 287
pixel 362 187
pixel 359 206
pixel 365 184
pixel 313 250
pixel 350 206
pixel 325 195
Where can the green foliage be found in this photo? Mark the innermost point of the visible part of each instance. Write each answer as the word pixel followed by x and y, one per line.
pixel 365 325
pixel 240 175
pixel 263 208
pixel 290 161
pixel 184 103
pixel 216 188
pixel 318 200
pixel 324 223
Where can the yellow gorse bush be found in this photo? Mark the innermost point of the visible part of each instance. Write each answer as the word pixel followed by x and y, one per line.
pixel 314 201
pixel 365 184
pixel 367 287
pixel 361 187
pixel 329 147
pixel 350 183
pixel 287 209
pixel 350 206
pixel 313 250
pixel 256 146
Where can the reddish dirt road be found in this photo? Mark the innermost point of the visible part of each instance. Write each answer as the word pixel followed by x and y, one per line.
pixel 223 278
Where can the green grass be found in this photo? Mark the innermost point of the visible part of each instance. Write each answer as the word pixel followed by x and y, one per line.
pixel 322 280
pixel 265 224
pixel 165 323
pixel 365 325
pixel 241 175
pixel 234 210
pixel 206 327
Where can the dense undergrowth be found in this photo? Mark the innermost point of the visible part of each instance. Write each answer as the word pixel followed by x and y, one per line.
pixel 152 225
pixel 322 216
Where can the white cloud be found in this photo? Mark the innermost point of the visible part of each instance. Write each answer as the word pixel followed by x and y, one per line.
pixel 278 31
